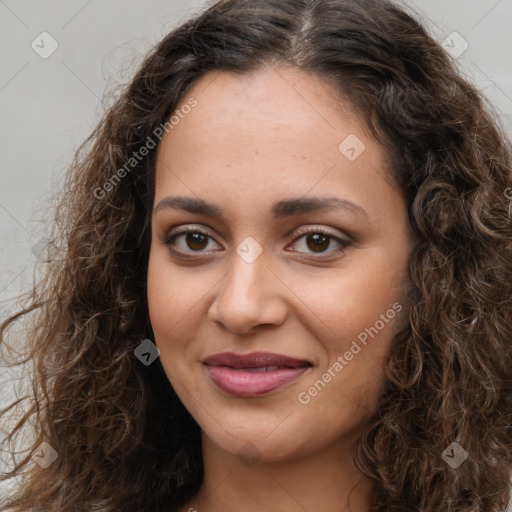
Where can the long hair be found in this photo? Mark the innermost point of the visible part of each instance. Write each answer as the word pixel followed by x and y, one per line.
pixel 121 437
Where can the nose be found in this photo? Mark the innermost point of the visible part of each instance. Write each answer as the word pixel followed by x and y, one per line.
pixel 249 295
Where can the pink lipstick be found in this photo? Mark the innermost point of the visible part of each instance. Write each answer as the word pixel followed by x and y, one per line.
pixel 253 374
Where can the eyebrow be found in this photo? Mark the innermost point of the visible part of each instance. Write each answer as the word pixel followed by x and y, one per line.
pixel 280 209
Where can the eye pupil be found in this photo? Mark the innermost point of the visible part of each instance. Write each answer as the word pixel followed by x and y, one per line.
pixel 196 241
pixel 196 238
pixel 319 241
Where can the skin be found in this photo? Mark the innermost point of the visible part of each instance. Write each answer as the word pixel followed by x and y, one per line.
pixel 250 141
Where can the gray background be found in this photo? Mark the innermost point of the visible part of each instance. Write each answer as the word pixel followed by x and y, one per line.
pixel 48 106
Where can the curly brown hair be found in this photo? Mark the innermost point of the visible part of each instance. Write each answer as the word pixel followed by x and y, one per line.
pixel 123 438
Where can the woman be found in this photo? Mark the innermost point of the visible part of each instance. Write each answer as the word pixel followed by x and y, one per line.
pixel 284 279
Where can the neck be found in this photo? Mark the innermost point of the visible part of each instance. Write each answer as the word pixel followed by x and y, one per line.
pixel 326 480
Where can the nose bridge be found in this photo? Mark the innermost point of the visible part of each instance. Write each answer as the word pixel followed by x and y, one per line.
pixel 247 296
pixel 246 282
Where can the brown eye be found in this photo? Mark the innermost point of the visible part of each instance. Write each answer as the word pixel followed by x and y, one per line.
pixel 188 241
pixel 192 241
pixel 196 241
pixel 318 242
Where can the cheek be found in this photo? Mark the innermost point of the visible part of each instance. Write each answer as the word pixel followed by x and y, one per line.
pixel 356 332
pixel 347 302
pixel 172 293
pixel 159 294
pixel 176 309
pixel 167 307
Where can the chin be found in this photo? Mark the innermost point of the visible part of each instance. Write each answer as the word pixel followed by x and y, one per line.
pixel 257 445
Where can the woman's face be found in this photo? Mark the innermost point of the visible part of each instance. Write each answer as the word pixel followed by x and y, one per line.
pixel 299 248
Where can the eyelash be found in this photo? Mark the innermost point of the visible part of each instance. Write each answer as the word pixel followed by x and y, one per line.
pixel 169 240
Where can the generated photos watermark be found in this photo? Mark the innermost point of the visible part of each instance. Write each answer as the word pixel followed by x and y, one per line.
pixel 138 156
pixel 304 397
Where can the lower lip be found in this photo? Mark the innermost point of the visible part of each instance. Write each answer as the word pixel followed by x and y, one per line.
pixel 245 383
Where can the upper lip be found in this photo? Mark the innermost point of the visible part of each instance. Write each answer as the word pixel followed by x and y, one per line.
pixel 254 360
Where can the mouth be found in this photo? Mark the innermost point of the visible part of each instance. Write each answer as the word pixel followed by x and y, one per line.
pixel 254 374
pixel 255 360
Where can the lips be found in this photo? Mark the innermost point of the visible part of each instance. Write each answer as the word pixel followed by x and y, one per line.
pixel 254 360
pixel 254 374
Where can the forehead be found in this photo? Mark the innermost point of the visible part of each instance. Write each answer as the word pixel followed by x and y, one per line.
pixel 272 131
pixel 270 105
